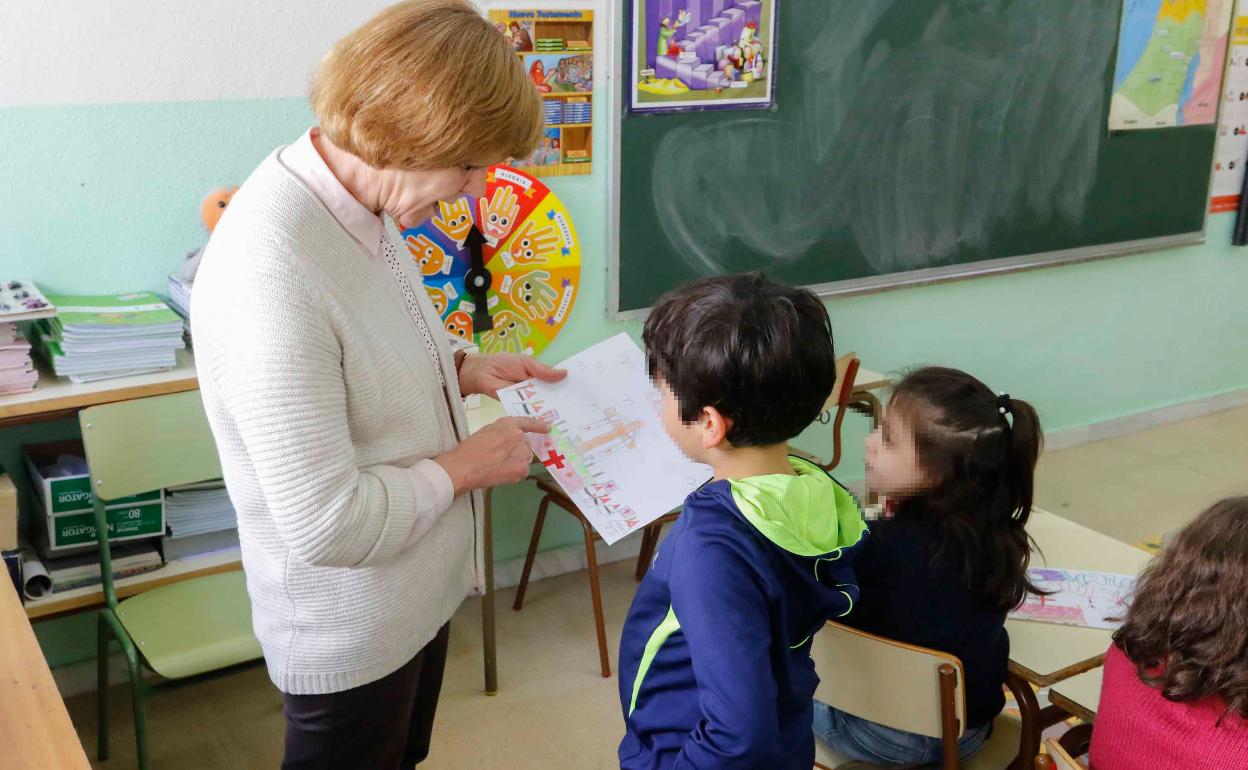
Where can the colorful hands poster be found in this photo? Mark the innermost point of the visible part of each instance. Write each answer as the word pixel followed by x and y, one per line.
pixel 530 264
pixel 607 448
pixel 702 54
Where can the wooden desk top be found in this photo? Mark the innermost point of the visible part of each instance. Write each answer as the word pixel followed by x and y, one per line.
pixel 869 380
pixel 55 396
pixel 1044 653
pixel 35 730
pixel 1080 695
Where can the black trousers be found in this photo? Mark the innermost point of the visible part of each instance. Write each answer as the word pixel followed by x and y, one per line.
pixel 382 725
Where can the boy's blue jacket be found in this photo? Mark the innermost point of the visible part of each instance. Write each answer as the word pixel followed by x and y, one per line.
pixel 715 668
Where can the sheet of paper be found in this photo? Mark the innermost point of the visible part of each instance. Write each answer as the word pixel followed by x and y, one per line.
pixel 1081 598
pixel 1171 55
pixel 1232 152
pixel 607 448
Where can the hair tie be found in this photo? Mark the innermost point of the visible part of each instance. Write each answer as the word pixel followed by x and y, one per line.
pixel 1004 405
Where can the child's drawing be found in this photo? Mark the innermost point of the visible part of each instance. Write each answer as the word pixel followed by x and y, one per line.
pixel 1080 598
pixel 607 448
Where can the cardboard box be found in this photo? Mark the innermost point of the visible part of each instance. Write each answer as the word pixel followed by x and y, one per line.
pixel 68 519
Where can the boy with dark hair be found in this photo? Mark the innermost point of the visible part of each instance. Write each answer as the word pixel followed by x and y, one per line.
pixel 715 668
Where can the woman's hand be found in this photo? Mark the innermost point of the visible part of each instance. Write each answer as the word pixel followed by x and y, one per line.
pixel 486 374
pixel 497 454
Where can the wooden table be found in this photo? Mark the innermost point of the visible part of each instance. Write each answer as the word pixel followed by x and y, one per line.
pixel 35 730
pixel 1079 695
pixel 1044 653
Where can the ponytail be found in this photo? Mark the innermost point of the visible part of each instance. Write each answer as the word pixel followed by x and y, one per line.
pixel 982 450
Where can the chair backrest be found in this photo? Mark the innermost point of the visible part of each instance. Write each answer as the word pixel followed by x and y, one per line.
pixel 148 443
pixel 140 445
pixel 838 403
pixel 1062 760
pixel 885 681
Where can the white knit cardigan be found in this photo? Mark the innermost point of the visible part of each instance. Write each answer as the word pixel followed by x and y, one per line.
pixel 326 408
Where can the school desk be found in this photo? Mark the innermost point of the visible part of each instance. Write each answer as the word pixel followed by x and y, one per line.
pixel 35 730
pixel 1079 695
pixel 1044 653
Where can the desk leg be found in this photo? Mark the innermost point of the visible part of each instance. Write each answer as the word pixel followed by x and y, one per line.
pixel 487 601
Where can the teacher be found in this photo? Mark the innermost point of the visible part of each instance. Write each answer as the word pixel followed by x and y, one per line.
pixel 332 393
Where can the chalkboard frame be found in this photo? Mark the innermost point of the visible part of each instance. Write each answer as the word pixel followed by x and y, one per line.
pixel 617 103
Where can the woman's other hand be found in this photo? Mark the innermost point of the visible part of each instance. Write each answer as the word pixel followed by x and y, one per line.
pixel 485 374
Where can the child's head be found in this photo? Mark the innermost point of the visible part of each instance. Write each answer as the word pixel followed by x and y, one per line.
pixel 742 361
pixel 1187 628
pixel 952 450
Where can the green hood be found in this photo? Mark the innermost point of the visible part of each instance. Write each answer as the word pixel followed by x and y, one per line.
pixel 807 515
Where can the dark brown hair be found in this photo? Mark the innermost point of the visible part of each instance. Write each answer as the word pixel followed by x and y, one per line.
pixel 979 450
pixel 757 350
pixel 1187 628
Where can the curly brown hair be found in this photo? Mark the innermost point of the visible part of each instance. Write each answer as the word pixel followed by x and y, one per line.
pixel 1187 628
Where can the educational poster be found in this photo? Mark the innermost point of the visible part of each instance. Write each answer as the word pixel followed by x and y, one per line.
pixel 1081 598
pixel 555 47
pixel 607 448
pixel 702 54
pixel 1232 150
pixel 503 270
pixel 1171 54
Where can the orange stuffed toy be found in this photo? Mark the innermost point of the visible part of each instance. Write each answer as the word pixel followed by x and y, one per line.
pixel 210 211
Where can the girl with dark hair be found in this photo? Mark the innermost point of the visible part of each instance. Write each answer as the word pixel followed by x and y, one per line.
pixel 1175 690
pixel 955 463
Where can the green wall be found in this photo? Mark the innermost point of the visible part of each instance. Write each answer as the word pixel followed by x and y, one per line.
pixel 104 198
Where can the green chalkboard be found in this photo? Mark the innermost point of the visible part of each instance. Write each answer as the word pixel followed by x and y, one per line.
pixel 910 140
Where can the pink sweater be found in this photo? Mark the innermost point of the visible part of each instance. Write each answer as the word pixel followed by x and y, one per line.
pixel 1137 729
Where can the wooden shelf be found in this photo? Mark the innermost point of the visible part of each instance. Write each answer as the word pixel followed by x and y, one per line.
pixel 174 572
pixel 54 395
pixel 569 125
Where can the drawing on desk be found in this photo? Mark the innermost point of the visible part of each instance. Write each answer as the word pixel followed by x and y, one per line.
pixel 607 448
pixel 1080 598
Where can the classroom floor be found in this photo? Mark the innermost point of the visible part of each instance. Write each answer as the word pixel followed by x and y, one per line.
pixel 555 711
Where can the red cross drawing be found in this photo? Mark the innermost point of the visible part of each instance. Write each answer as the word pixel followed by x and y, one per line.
pixel 554 459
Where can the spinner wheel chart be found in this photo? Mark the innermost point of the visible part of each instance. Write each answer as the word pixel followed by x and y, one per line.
pixel 502 270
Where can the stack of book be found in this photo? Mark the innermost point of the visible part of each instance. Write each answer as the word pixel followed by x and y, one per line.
pixel 19 301
pixel 199 519
pixel 100 337
pixel 42 575
pixel 180 303
pixel 548 44
pixel 578 45
pixel 553 111
pixel 577 110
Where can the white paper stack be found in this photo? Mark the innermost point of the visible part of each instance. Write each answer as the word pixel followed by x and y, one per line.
pixel 100 337
pixel 199 519
pixel 180 303
pixel 17 371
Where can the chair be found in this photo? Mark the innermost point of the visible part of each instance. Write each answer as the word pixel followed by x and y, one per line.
pixel 181 629
pixel 649 541
pixel 838 404
pixel 1062 760
pixel 913 689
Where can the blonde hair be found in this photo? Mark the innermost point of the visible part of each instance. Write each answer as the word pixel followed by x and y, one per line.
pixel 427 84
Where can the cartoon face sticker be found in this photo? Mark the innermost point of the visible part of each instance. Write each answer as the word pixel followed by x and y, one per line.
pixel 438 297
pixel 533 245
pixel 498 214
pixel 428 255
pixel 533 294
pixel 459 323
pixel 454 220
pixel 508 334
